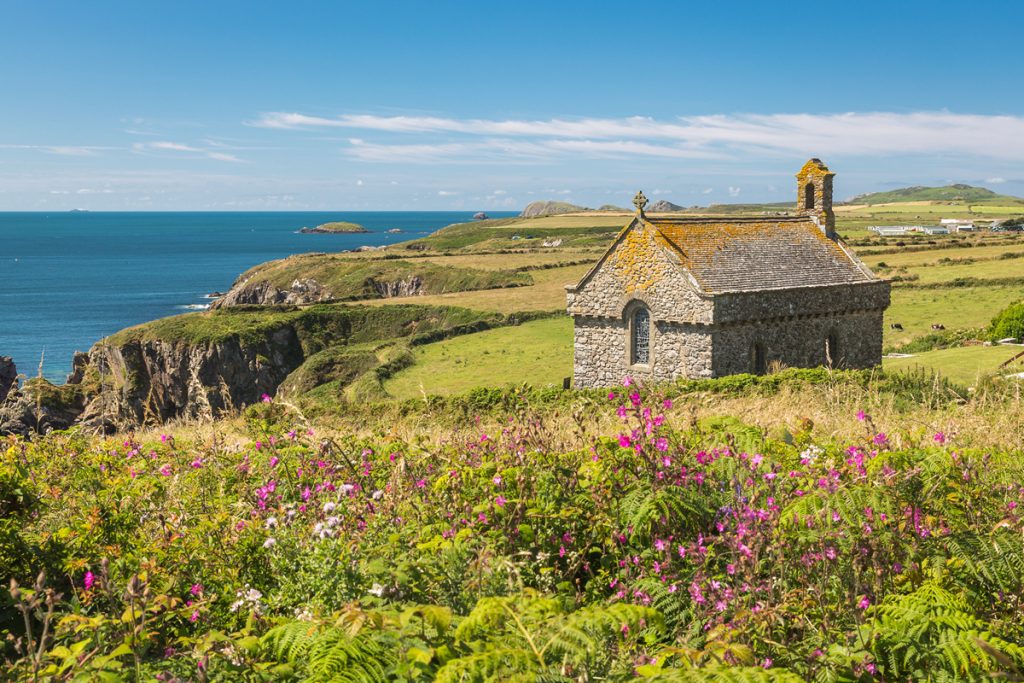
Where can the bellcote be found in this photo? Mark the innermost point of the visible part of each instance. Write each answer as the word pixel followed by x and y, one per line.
pixel 814 194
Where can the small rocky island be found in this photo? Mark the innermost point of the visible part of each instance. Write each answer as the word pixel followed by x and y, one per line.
pixel 334 227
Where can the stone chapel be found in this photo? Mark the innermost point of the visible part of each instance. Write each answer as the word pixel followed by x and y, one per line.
pixel 711 296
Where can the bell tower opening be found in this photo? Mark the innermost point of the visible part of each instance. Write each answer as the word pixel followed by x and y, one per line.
pixel 809 196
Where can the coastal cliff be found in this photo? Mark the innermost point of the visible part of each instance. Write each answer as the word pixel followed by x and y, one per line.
pixel 199 366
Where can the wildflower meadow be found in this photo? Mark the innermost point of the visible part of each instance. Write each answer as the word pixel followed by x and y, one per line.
pixel 666 549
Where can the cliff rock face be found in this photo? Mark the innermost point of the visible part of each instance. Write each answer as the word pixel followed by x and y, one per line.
pixel 8 376
pixel 146 381
pixel 663 206
pixel 263 293
pixel 408 287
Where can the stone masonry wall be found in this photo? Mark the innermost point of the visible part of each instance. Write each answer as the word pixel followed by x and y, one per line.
pixel 601 352
pixel 801 342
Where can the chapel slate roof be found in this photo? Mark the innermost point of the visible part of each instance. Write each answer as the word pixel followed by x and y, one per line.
pixel 742 255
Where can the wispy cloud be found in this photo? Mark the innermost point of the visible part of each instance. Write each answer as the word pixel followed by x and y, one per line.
pixel 62 150
pixel 187 150
pixel 722 135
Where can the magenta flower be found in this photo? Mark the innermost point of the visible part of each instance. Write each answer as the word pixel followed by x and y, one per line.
pixel 667 403
pixel 166 470
pixel 196 589
pixel 880 439
pixel 623 440
pixel 940 438
pixel 661 444
pixel 864 603
pixel 767 663
pixel 861 415
pixel 89 580
pixel 500 501
pixel 611 395
pixel 628 381
pixel 266 398
pixel 421 483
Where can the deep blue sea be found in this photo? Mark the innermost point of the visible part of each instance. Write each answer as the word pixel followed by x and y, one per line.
pixel 70 279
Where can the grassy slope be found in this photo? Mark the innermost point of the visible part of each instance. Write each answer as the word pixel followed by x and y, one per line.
pixel 538 353
pixel 349 278
pixel 318 327
pixel 962 365
pixel 946 193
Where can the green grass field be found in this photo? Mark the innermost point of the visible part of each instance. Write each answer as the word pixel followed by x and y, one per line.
pixel 962 365
pixel 539 353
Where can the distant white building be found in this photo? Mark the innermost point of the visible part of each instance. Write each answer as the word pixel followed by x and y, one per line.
pixel 890 230
pixel 959 224
pixel 908 230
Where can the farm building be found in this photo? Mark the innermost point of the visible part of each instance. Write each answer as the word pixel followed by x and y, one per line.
pixel 705 297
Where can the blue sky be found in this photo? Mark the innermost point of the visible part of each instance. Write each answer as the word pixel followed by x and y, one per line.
pixel 457 105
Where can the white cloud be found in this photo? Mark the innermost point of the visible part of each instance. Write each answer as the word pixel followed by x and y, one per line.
pixel 734 191
pixel 995 181
pixel 446 193
pixel 189 150
pixel 720 135
pixel 707 190
pixel 359 183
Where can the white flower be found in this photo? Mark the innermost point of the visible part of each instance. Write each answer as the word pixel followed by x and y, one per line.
pixel 377 590
pixel 253 595
pixel 270 542
pixel 378 494
pixel 271 522
pixel 346 489
pixel 811 453
pixel 333 521
pixel 329 506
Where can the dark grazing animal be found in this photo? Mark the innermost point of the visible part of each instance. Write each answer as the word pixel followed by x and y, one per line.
pixel 896 326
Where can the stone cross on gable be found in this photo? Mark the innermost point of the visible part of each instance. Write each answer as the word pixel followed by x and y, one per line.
pixel 640 201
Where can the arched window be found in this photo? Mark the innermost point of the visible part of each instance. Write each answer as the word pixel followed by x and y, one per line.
pixel 809 196
pixel 832 350
pixel 758 362
pixel 640 336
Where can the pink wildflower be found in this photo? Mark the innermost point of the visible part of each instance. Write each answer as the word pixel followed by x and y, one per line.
pixel 196 589
pixel 623 440
pixel 861 415
pixel 940 438
pixel 266 398
pixel 864 603
pixel 500 501
pixel 661 444
pixel 89 580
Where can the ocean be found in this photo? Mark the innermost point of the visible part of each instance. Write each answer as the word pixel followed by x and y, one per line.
pixel 70 279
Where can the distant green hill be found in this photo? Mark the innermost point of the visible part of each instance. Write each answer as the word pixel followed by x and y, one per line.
pixel 948 193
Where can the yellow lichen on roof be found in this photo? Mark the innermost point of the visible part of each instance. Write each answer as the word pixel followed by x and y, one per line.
pixel 743 255
pixel 636 261
pixel 814 167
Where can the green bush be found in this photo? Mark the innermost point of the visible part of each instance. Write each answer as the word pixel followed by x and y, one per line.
pixel 1008 323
